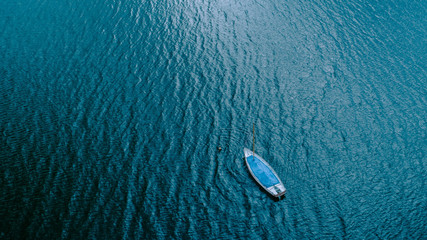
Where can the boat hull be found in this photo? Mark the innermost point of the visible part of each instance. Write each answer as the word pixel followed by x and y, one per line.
pixel 264 174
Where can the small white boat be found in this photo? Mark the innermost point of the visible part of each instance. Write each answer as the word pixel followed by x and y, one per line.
pixel 263 173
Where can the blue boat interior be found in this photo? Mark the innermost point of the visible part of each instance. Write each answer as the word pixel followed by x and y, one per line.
pixel 264 174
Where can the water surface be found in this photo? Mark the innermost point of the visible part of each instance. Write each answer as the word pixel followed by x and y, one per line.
pixel 111 113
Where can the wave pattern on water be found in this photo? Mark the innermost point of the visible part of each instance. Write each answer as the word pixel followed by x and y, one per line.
pixel 112 112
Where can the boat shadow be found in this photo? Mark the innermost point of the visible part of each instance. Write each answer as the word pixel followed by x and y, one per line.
pixel 275 199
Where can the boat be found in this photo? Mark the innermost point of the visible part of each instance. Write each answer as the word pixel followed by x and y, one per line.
pixel 263 173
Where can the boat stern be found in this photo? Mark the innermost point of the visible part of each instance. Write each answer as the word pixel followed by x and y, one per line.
pixel 277 190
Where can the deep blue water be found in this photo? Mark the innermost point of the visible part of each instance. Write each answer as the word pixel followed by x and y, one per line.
pixel 111 113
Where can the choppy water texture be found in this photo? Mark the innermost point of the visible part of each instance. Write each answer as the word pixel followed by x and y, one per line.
pixel 111 113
